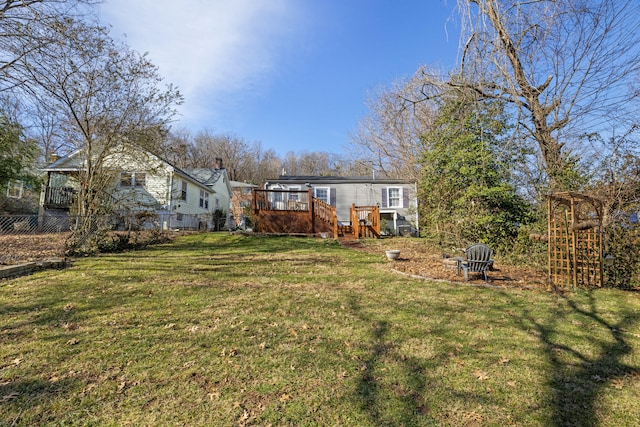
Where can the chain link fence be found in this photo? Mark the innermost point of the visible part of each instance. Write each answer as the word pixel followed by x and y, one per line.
pixel 45 224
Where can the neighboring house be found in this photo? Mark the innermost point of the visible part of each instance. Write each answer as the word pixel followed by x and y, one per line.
pixel 19 198
pixel 397 199
pixel 142 182
pixel 217 179
pixel 241 202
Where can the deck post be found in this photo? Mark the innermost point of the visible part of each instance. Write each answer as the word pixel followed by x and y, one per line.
pixel 312 210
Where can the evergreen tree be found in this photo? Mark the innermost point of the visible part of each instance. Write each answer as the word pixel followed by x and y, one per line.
pixel 17 154
pixel 466 195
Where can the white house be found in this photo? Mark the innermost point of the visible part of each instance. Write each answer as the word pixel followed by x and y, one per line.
pixel 217 180
pixel 142 181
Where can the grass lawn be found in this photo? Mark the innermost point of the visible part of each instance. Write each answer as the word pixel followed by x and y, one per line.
pixel 226 330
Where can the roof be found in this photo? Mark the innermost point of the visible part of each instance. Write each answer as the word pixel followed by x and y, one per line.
pixel 210 176
pixel 238 184
pixel 311 179
pixel 70 162
pixel 205 175
pixel 73 162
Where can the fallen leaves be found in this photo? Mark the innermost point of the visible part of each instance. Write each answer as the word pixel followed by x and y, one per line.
pixel 285 398
pixel 23 248
pixel 421 260
pixel 481 375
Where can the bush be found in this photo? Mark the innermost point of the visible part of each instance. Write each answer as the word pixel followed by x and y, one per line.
pixel 622 242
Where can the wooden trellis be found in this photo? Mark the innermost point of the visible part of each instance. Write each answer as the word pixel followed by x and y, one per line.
pixel 575 240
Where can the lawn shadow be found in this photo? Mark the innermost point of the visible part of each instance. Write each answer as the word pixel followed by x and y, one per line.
pixel 374 395
pixel 18 396
pixel 577 378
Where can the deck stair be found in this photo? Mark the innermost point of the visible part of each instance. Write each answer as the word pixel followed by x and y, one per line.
pixel 294 211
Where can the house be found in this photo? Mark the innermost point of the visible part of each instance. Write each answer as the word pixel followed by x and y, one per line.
pixel 241 193
pixel 140 182
pixel 19 197
pixel 217 179
pixel 395 200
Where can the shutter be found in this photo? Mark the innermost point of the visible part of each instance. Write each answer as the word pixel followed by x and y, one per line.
pixel 332 196
pixel 405 197
pixel 384 197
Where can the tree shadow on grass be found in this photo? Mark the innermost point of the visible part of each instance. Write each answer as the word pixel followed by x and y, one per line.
pixel 577 377
pixel 379 400
pixel 16 399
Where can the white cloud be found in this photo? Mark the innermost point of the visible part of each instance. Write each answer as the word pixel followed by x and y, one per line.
pixel 212 50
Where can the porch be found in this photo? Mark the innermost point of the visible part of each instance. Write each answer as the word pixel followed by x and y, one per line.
pixel 298 212
pixel 59 197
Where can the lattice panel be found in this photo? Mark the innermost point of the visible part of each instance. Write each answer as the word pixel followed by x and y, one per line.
pixel 575 240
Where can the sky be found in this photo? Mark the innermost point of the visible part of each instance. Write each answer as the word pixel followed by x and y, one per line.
pixel 294 75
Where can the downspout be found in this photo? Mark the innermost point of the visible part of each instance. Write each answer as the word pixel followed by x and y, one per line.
pixel 415 185
pixel 170 199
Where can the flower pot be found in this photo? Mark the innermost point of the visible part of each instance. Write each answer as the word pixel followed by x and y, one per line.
pixel 393 254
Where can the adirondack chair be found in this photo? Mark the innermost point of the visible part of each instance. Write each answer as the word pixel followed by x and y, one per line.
pixel 478 260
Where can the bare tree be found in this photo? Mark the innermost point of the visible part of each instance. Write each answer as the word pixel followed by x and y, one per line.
pixel 388 140
pixel 104 94
pixel 206 148
pixel 263 165
pixel 21 30
pixel 565 65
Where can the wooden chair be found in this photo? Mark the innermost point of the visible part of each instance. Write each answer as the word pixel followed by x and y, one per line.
pixel 478 260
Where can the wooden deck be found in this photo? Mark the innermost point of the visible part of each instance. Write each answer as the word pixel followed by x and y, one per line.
pixel 298 212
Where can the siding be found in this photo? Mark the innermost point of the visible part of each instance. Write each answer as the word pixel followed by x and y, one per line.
pixel 363 194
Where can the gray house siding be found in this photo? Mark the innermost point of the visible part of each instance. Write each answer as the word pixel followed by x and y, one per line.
pixel 399 214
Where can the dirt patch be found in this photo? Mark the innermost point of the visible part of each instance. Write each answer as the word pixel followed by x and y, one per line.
pixel 17 249
pixel 21 248
pixel 418 259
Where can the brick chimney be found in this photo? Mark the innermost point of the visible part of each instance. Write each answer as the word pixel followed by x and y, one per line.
pixel 218 164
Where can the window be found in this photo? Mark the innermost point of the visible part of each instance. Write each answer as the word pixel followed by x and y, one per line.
pixel 139 179
pixel 133 179
pixel 321 193
pixel 395 197
pixel 294 197
pixel 125 179
pixel 15 189
pixel 183 191
pixel 204 199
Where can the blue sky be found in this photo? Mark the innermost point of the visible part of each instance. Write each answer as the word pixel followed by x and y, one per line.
pixel 291 74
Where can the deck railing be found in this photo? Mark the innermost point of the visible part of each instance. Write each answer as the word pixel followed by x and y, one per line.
pixel 364 220
pixel 62 197
pixel 327 213
pixel 281 200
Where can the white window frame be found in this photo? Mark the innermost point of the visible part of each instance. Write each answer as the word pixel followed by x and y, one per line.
pixel 327 200
pixel 294 197
pixel 15 189
pixel 398 198
pixel 184 185
pixel 204 199
pixel 139 179
pixel 133 179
